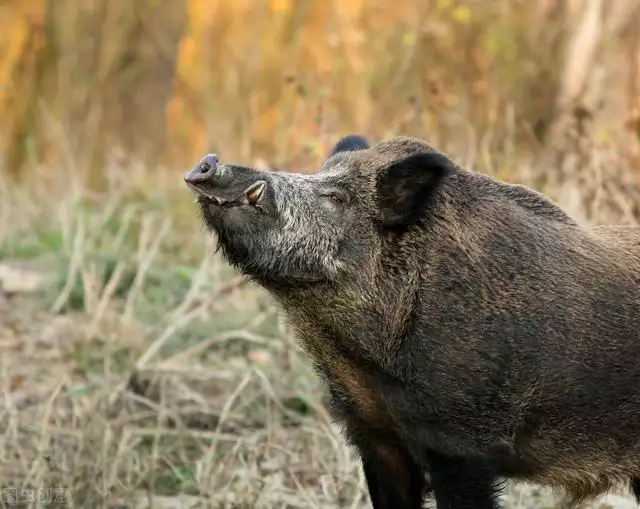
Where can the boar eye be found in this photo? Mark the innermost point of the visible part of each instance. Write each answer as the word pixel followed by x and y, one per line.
pixel 335 197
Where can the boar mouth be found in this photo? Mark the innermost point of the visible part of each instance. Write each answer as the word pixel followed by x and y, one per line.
pixel 252 195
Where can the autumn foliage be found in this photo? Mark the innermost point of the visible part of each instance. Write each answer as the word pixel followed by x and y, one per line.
pixel 279 80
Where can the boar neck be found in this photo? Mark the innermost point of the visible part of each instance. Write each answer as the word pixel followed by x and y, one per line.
pixel 366 319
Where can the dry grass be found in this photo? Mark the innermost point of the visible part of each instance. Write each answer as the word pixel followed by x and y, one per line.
pixel 142 369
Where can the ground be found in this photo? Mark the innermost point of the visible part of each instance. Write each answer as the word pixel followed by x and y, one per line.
pixel 138 370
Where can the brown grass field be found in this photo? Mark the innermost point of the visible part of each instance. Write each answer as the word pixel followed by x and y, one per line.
pixel 137 369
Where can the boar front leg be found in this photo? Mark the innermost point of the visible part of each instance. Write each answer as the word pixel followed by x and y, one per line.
pixel 394 480
pixel 462 484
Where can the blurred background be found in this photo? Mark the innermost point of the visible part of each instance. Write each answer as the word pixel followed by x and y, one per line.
pixel 138 369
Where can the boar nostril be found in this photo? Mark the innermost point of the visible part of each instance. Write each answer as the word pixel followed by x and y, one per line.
pixel 208 164
pixel 204 171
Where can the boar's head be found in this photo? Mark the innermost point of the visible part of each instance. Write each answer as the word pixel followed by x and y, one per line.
pixel 322 227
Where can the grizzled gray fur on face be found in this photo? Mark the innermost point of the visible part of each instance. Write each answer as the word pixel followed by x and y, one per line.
pixel 468 331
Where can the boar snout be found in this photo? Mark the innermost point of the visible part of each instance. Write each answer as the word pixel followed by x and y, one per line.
pixel 225 185
pixel 204 172
pixel 207 175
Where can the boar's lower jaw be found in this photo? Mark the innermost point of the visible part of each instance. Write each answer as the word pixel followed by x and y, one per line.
pixel 241 251
pixel 209 199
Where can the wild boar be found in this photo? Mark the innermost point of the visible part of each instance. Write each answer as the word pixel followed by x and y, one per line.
pixel 468 330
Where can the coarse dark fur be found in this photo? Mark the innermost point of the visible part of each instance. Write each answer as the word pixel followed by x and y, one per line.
pixel 468 330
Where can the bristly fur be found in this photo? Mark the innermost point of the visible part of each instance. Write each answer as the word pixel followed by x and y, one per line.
pixel 468 330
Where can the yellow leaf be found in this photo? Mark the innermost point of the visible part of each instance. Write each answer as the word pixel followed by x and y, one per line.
pixel 410 38
pixel 279 5
pixel 13 45
pixel 491 44
pixel 461 14
pixel 604 135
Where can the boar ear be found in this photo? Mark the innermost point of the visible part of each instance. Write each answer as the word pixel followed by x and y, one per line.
pixel 404 189
pixel 350 143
